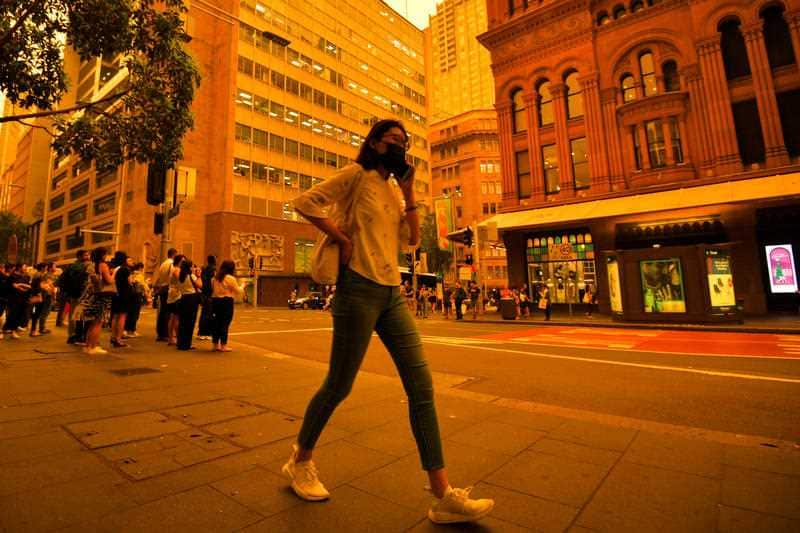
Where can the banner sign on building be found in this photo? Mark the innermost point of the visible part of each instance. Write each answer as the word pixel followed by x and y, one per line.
pixel 443 210
pixel 780 263
pixel 720 279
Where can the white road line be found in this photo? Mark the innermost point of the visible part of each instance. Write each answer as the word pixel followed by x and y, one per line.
pixel 636 365
pixel 279 331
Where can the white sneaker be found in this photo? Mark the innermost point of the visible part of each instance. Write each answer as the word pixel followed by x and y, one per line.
pixel 95 351
pixel 457 506
pixel 303 476
pixel 14 335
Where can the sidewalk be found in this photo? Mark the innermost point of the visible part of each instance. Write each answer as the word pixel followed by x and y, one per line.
pixel 149 438
pixel 778 324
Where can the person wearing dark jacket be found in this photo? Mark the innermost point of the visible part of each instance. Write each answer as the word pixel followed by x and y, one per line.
pixel 120 302
pixel 205 328
pixel 459 294
pixel 189 286
pixel 18 288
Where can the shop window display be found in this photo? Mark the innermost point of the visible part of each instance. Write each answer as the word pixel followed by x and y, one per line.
pixel 662 286
pixel 564 263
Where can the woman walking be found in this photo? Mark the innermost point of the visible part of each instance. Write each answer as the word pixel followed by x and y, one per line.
pixel 224 289
pixel 188 303
pixel 368 298
pixel 95 301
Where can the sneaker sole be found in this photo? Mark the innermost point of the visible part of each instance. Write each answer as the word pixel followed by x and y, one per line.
pixel 452 518
pixel 297 490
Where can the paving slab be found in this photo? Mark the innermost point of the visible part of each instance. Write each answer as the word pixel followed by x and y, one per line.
pixel 692 456
pixel 530 512
pixel 577 452
pixel 394 438
pixel 364 417
pixel 349 509
pixel 261 490
pixel 41 472
pixel 201 414
pixel 537 421
pixel 734 520
pixel 109 431
pixel 39 445
pixel 764 458
pixel 593 434
pixel 487 524
pixel 765 492
pixel 497 437
pixel 639 498
pixel 558 479
pixel 252 431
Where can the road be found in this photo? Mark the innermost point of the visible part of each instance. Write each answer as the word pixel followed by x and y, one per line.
pixel 732 382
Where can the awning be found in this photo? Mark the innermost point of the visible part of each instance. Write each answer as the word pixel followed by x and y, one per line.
pixel 782 185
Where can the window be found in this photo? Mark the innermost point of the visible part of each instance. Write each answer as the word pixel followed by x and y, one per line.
pixel 73 242
pixel 275 175
pixel 259 171
pixel 102 237
pixel 105 204
pixel 580 162
pixel 276 143
pixel 306 152
pixel 242 133
pixel 648 72
pixel 637 149
pixel 552 177
pixel 459 211
pixel 656 149
pixel 637 5
pixel 619 12
pixel 672 81
pixel 245 66
pixel 574 96
pixel 603 19
pixel 748 132
pixel 524 184
pixel 260 138
pixel 788 109
pixel 261 72
pixel 734 51
pixel 55 224
pixel 484 189
pixel 53 247
pixel 675 137
pixel 58 180
pixel 77 215
pixel 303 253
pixel 290 179
pixel 292 148
pixel 628 88
pixel 79 191
pixel 277 79
pixel 544 104
pixel 241 167
pixel 519 114
pixel 319 155
pixel 104 178
pixel 305 182
pixel 777 37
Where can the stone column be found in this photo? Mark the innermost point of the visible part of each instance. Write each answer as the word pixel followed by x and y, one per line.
pixel 616 166
pixel 595 134
pixel 631 149
pixel 644 151
pixel 793 19
pixel 507 164
pixel 534 144
pixel 765 95
pixel 687 157
pixel 696 120
pixel 559 92
pixel 723 130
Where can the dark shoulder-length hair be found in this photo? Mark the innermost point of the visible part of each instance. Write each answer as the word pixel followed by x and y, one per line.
pixel 186 269
pixel 227 267
pixel 368 157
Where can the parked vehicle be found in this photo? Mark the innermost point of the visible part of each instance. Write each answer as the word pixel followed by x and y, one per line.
pixel 312 300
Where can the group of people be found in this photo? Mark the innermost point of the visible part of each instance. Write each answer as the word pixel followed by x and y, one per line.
pixel 99 289
pixel 425 300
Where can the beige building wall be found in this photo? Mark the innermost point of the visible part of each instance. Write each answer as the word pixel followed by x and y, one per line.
pixel 460 68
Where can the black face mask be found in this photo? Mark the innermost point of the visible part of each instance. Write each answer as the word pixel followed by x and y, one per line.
pixel 394 160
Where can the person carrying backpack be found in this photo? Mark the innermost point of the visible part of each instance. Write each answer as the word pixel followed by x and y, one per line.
pixel 71 283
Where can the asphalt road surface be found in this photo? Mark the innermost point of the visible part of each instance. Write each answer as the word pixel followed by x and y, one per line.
pixel 733 382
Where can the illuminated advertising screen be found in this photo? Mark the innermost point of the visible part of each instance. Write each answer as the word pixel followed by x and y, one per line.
pixel 780 265
pixel 720 279
pixel 662 286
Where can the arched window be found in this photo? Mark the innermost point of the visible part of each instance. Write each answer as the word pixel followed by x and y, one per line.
pixel 648 72
pixel 619 11
pixel 603 18
pixel 519 116
pixel 734 51
pixel 574 95
pixel 637 5
pixel 777 37
pixel 672 81
pixel 628 88
pixel 544 103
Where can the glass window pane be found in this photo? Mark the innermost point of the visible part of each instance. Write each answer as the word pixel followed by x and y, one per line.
pixel 552 176
pixel 656 147
pixel 545 104
pixel 580 162
pixel 524 184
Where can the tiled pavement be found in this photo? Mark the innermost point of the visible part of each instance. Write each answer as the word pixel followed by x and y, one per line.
pixel 195 441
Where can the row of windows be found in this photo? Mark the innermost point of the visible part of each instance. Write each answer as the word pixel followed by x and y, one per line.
pixel 451 172
pixel 53 246
pixel 273 175
pixel 646 83
pixel 102 205
pixel 489 208
pixel 619 11
pixel 294 27
pixel 497 272
pixel 656 144
pixel 544 102
pixel 777 39
pixel 491 187
pixel 265 208
pixel 306 92
pixel 307 64
pixel 490 167
pixel 579 156
pixel 82 189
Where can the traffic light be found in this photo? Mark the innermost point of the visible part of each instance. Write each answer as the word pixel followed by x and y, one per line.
pixel 158 223
pixel 468 259
pixel 468 237
pixel 156 183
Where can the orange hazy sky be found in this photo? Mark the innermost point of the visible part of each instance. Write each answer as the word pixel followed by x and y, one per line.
pixel 416 11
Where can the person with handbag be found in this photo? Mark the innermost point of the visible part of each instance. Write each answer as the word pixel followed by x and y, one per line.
pixel 121 301
pixel 172 296
pixel 373 216
pixel 95 302
pixel 188 303
pixel 141 296
pixel 224 289
pixel 544 301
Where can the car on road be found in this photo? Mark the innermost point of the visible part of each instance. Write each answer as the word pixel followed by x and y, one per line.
pixel 312 300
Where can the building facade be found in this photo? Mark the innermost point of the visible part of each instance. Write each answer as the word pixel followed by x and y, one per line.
pixel 656 163
pixel 289 91
pixel 459 69
pixel 465 171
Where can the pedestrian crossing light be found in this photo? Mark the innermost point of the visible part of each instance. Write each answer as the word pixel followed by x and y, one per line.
pixel 468 237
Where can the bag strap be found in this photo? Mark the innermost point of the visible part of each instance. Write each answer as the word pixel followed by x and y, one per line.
pixel 355 193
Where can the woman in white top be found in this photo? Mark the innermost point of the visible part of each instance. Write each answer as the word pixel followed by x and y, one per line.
pixel 173 295
pixel 188 303
pixel 224 289
pixel 380 187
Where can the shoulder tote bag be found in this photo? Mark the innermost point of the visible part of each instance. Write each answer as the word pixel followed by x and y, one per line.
pixel 325 263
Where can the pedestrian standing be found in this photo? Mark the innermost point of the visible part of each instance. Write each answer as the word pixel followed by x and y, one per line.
pixel 18 288
pixel 459 295
pixel 48 288
pixel 140 297
pixel 160 292
pixel 224 290
pixel 121 301
pixel 207 274
pixel 173 295
pixel 524 302
pixel 447 302
pixel 4 295
pixel 368 298
pixel 544 301
pixel 36 299
pixel 95 302
pixel 72 282
pixel 474 298
pixel 188 303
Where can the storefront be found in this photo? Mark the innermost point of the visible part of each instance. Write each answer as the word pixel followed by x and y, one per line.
pixel 564 262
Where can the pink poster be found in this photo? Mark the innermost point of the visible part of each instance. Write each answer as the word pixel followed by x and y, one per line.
pixel 780 261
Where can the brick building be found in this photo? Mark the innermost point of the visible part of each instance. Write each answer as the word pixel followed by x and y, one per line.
pixel 650 149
